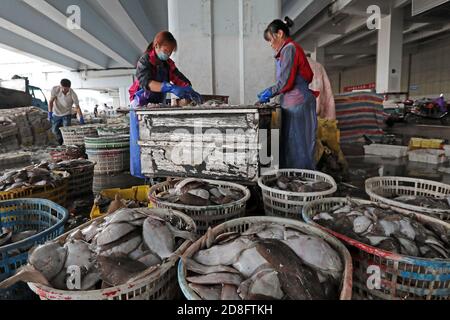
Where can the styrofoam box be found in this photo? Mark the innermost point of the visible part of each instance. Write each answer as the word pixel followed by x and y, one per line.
pixel 434 156
pixel 386 150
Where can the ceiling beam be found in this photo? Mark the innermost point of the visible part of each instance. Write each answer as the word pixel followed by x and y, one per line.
pixel 18 17
pixel 98 27
pixel 13 42
pixel 136 10
pixel 350 50
pixel 117 12
pixel 61 19
pixel 425 34
pixel 302 12
pixel 354 26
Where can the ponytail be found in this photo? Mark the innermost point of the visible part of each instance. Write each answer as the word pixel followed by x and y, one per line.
pixel 278 25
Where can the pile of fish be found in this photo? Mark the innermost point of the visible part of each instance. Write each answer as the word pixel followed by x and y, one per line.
pixel 387 230
pixel 112 251
pixel 7 237
pixel 38 176
pixel 111 205
pixel 425 202
pixel 195 192
pixel 268 261
pixel 69 165
pixel 298 184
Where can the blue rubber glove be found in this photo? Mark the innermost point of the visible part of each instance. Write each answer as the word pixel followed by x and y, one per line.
pixel 265 96
pixel 82 120
pixel 142 97
pixel 50 116
pixel 193 95
pixel 180 92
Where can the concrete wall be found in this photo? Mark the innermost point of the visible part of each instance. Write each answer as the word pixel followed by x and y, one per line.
pixel 430 71
pixel 221 47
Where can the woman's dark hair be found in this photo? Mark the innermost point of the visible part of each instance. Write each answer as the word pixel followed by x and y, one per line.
pixel 66 83
pixel 163 37
pixel 277 25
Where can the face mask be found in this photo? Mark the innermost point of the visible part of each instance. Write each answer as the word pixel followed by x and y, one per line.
pixel 163 56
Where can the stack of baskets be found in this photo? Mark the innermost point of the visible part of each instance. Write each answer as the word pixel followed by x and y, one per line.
pixel 41 215
pixel 383 189
pixel 286 204
pixel 111 153
pixel 384 275
pixel 74 135
pixel 204 217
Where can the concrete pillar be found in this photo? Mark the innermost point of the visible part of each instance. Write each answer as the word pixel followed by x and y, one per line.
pixel 318 55
pixel 124 100
pixel 221 48
pixel 390 52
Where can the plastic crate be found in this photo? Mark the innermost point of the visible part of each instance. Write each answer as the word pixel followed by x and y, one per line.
pixel 137 193
pixel 402 277
pixel 110 161
pixel 243 224
pixel 382 189
pixel 15 194
pixel 207 216
pixel 386 150
pixel 433 156
pixel 286 204
pixel 45 216
pixel 158 285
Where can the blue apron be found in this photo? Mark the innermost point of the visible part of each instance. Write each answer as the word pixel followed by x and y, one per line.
pixel 298 129
pixel 162 74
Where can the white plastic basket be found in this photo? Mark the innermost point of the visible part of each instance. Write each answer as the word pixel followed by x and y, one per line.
pixel 386 150
pixel 433 156
pixel 288 204
pixel 74 135
pixel 208 216
pixel 382 189
pixel 243 224
pixel 110 161
pixel 159 285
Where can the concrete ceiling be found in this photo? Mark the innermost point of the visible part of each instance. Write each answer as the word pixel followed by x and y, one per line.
pixel 114 33
pixel 340 29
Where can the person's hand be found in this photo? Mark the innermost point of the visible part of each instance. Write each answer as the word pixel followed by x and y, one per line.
pixel 265 96
pixel 142 97
pixel 180 92
pixel 50 116
pixel 82 120
pixel 193 95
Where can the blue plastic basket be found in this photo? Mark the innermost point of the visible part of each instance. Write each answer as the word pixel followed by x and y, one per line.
pixel 45 216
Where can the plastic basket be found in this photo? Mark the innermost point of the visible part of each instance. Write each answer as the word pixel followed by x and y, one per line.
pixel 207 216
pixel 57 194
pixel 381 189
pixel 243 224
pixel 137 193
pixel 287 204
pixel 15 194
pixel 107 142
pixel 66 153
pixel 418 143
pixel 159 285
pixel 110 161
pixel 45 216
pixel 402 277
pixel 81 180
pixel 74 135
